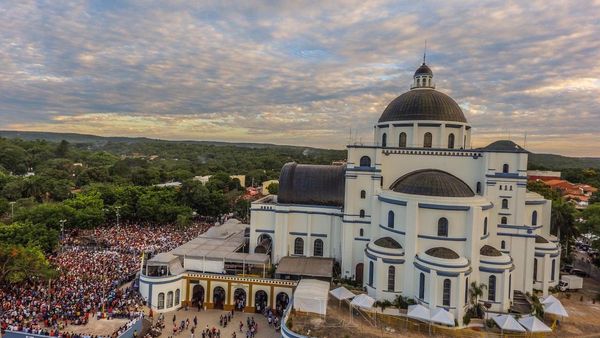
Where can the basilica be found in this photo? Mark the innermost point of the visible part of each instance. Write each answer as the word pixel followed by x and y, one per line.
pixel 418 212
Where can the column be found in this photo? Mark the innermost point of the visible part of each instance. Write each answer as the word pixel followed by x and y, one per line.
pixel 433 289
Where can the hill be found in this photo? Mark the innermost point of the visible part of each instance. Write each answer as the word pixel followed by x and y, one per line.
pixel 559 162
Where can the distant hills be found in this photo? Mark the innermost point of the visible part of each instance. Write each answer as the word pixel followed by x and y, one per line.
pixel 548 161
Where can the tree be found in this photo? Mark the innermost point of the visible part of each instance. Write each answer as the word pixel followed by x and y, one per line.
pixel 273 188
pixel 48 215
pixel 563 220
pixel 475 292
pixel 89 210
pixel 62 149
pixel 28 234
pixel 241 209
pixel 18 263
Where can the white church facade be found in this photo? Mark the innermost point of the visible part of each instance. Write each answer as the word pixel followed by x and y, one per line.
pixel 418 213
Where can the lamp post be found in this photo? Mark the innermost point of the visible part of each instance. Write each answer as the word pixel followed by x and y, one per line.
pixel 12 210
pixel 62 232
pixel 117 213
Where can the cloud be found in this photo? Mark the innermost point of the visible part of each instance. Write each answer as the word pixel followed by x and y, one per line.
pixel 298 72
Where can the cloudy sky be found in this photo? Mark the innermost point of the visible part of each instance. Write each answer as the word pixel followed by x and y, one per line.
pixel 301 73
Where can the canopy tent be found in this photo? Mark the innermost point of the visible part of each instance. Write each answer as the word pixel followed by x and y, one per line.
pixel 508 323
pixel 550 299
pixel 342 293
pixel 419 312
pixel 311 296
pixel 363 300
pixel 441 316
pixel 556 308
pixel 532 324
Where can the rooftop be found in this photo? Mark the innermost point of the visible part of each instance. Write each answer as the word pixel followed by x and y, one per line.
pixel 305 266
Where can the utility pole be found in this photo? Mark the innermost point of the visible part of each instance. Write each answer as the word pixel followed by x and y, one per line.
pixel 12 210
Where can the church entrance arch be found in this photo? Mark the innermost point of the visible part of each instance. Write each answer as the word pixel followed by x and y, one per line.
pixel 218 297
pixel 198 296
pixel 239 298
pixel 261 299
pixel 281 302
pixel 358 276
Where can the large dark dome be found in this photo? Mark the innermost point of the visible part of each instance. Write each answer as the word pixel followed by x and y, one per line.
pixel 432 182
pixel 312 184
pixel 423 104
pixel 424 69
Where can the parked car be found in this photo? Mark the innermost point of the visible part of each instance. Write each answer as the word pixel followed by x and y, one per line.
pixel 578 272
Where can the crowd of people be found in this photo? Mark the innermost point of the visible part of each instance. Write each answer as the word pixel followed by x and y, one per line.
pixel 91 275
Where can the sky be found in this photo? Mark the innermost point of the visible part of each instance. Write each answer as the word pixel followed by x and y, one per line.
pixel 308 73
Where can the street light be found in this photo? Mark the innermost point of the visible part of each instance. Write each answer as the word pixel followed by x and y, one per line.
pixel 62 233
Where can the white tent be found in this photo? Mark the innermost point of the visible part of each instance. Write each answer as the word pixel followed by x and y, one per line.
pixel 441 316
pixel 311 296
pixel 419 312
pixel 549 299
pixel 363 300
pixel 556 308
pixel 532 324
pixel 341 293
pixel 508 323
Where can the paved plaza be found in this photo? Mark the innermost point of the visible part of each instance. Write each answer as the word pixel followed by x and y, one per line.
pixel 211 318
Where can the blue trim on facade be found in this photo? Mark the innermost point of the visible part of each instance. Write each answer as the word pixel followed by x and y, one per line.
pixel 293 233
pixel 514 235
pixel 505 196
pixel 362 239
pixel 444 207
pixel 487 207
pixel 393 261
pixel 456 239
pixel 519 227
pixel 506 175
pixel 421 267
pixel 392 230
pixel 319 235
pixel 546 249
pixel 485 236
pixel 149 294
pixel 383 125
pixel 494 263
pixel 371 257
pixel 429 124
pixel 265 230
pixel 390 201
pixel 447 274
pixel 535 202
pixel 351 176
pixel 490 270
pixel 504 214
pixel 159 283
pixel 355 221
pixel 363 169
pixel 384 253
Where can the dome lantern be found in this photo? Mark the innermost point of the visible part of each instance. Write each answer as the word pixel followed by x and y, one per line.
pixel 423 77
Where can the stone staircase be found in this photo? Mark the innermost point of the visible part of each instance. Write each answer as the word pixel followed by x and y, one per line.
pixel 520 303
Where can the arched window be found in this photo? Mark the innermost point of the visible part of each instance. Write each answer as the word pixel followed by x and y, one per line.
pixel 390 219
pixel 504 203
pixel 177 296
pixel 363 194
pixel 451 141
pixel 427 140
pixel 371 273
pixel 534 218
pixel 510 188
pixel 500 186
pixel 443 227
pixel 505 168
pixel 478 187
pixel 485 226
pixel 298 246
pixel 402 140
pixel 503 220
pixel 466 290
pixel 361 213
pixel 391 279
pixel 534 270
pixel 170 299
pixel 318 248
pixel 553 269
pixel 384 140
pixel 492 288
pixel 361 232
pixel 365 161
pixel 161 301
pixel 446 294
pixel 503 245
pixel 422 286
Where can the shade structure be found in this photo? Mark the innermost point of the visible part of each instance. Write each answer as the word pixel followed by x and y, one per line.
pixel 508 323
pixel 550 299
pixel 442 316
pixel 532 324
pixel 556 308
pixel 311 296
pixel 419 312
pixel 363 300
pixel 342 293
